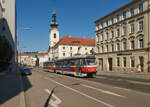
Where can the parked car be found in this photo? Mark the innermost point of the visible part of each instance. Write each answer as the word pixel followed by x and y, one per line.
pixel 26 71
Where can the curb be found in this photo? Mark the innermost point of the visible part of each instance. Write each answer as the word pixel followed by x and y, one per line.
pixel 22 95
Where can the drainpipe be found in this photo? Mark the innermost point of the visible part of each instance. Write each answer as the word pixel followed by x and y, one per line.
pixel 148 35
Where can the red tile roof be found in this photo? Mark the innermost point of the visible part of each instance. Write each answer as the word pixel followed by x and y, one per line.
pixel 22 54
pixel 68 40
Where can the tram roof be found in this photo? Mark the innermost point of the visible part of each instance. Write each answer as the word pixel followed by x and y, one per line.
pixel 76 57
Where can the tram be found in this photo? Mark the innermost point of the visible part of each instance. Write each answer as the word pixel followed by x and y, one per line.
pixel 49 66
pixel 80 66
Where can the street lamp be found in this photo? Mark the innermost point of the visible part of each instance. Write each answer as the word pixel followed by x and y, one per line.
pixel 26 29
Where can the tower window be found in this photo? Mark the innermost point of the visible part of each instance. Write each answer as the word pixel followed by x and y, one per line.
pixel 54 35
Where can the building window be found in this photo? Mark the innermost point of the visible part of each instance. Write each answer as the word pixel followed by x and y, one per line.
pixel 124 15
pixel 132 44
pixel 107 36
pixel 107 49
pixel 140 25
pixel 70 48
pixel 102 37
pixel 132 11
pixel 118 32
pixel 118 62
pixel 124 31
pixel 54 35
pixel 63 54
pixel 98 49
pixel 112 46
pixel 124 46
pixel 118 47
pixel 141 44
pixel 132 28
pixel 112 20
pixel 102 49
pixel 107 22
pixel 141 8
pixel 102 25
pixel 118 17
pixel 3 1
pixel 124 62
pixel 63 47
pixel 132 61
pixel 112 34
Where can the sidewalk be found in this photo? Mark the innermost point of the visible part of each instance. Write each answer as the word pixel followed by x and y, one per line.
pixel 11 90
pixel 136 75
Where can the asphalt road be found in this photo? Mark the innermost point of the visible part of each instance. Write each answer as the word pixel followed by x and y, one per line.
pixel 57 90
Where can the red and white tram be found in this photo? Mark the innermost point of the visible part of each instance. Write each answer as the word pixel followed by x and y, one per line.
pixel 81 66
pixel 49 66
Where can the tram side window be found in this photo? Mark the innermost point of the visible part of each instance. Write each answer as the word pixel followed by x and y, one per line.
pixel 77 62
pixel 90 61
pixel 83 62
pixel 66 63
pixel 72 62
pixel 58 64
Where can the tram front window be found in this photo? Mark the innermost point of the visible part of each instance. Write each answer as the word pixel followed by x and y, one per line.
pixel 90 61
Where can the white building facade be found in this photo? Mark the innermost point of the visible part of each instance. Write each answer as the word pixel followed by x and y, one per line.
pixel 67 46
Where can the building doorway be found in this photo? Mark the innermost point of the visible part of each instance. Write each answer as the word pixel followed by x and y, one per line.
pixel 141 59
pixel 110 62
pixel 101 63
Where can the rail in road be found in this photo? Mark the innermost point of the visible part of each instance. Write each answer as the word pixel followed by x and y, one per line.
pixel 77 92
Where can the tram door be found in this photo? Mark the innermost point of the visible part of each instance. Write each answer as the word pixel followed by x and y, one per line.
pixel 78 66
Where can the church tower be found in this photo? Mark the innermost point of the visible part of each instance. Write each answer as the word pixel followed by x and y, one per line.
pixel 54 31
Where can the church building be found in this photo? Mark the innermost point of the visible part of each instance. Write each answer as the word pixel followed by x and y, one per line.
pixel 67 46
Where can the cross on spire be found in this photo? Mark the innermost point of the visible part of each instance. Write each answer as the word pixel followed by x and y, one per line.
pixel 54 23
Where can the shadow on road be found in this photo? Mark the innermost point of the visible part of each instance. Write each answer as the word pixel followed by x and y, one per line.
pixel 11 87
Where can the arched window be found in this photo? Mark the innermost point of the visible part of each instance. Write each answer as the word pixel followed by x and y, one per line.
pixel 54 35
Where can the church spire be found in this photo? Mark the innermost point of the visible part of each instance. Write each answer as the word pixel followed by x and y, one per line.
pixel 54 23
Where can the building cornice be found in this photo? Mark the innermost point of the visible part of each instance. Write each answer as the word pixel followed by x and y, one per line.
pixel 123 51
pixel 119 9
pixel 123 21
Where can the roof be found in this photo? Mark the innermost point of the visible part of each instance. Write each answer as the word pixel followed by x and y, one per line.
pixel 114 12
pixel 22 54
pixel 68 40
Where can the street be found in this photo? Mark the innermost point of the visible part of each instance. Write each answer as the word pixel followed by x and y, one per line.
pixel 55 90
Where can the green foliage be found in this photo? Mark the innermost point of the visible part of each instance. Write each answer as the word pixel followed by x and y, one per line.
pixel 37 62
pixel 6 51
pixel 92 52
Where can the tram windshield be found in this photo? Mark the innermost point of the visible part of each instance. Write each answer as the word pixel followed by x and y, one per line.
pixel 90 61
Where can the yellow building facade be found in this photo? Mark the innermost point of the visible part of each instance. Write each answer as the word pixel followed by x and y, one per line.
pixel 123 38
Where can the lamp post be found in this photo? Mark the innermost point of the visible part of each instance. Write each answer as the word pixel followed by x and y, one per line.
pixel 26 29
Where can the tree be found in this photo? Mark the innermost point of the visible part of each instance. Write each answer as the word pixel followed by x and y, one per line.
pixel 6 52
pixel 37 62
pixel 92 52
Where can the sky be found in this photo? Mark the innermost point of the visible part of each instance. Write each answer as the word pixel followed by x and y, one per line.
pixel 75 18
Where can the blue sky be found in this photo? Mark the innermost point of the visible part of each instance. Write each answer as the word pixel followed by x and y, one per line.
pixel 75 18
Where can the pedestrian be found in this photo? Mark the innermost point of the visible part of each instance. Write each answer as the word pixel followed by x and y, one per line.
pixel 139 68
